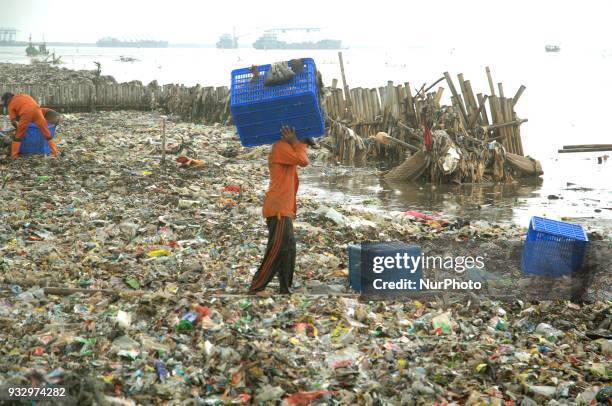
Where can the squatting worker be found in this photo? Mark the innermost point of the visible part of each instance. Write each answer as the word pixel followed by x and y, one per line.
pixel 279 209
pixel 22 110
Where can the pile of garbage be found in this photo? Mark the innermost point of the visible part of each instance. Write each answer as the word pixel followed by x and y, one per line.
pixel 122 277
pixel 462 160
pixel 45 74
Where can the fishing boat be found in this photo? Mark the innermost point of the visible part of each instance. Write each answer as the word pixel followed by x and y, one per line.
pixel 31 49
pixel 552 48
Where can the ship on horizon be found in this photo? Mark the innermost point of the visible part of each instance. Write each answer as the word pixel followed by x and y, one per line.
pixel 110 42
pixel 270 40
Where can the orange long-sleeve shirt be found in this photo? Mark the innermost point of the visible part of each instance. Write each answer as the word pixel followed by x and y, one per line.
pixel 21 104
pixel 283 161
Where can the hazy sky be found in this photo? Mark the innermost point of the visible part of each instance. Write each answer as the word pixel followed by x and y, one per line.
pixel 360 23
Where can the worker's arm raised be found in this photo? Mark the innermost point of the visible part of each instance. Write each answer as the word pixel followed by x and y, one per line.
pixel 289 151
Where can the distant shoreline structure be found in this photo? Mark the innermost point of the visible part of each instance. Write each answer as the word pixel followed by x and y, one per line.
pixel 109 42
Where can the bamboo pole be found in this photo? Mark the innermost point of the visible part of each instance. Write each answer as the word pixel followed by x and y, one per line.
pixel 500 86
pixel 600 149
pixel 466 102
pixel 517 129
pixel 518 95
pixel 163 160
pixel 347 96
pixel 472 99
pixel 438 96
pixel 451 86
pixel 412 115
pixel 490 79
pixel 507 103
pixel 587 146
pixel 476 116
pixel 482 101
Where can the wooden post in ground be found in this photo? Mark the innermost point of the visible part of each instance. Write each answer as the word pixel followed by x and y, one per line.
pixel 347 95
pixel 163 160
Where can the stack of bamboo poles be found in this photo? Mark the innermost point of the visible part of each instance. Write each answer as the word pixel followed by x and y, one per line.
pixel 196 104
pixel 400 112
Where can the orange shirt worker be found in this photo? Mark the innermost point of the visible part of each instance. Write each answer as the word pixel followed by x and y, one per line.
pixel 279 209
pixel 22 110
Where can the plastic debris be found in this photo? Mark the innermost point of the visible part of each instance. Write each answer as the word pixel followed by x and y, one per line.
pixel 163 319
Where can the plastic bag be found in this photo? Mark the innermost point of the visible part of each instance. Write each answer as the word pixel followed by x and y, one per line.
pixel 279 74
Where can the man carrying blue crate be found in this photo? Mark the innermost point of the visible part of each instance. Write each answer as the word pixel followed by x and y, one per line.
pixel 22 110
pixel 279 209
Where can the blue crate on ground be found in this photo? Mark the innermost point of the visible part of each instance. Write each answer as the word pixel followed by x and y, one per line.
pixel 553 247
pixel 259 111
pixel 34 142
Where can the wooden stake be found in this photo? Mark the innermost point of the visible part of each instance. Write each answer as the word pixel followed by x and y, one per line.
pixel 347 95
pixel 163 160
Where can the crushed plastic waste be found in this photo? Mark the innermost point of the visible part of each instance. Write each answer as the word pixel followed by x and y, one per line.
pixel 33 74
pixel 162 318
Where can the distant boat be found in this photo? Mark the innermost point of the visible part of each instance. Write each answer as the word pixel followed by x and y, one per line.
pixel 109 42
pixel 269 40
pixel 31 50
pixel 123 58
pixel 227 41
pixel 552 48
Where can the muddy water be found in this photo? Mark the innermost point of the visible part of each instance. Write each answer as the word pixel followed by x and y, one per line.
pixel 581 185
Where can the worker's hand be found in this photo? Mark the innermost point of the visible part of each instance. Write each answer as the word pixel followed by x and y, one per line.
pixel 53 148
pixel 288 134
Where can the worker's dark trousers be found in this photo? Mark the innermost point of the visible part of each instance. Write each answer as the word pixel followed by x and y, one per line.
pixel 279 258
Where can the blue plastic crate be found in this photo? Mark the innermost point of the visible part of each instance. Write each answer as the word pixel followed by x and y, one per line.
pixel 260 111
pixel 553 247
pixel 34 142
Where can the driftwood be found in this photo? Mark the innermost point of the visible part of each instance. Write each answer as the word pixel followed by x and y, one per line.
pixel 412 168
pixel 586 148
pixel 524 166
